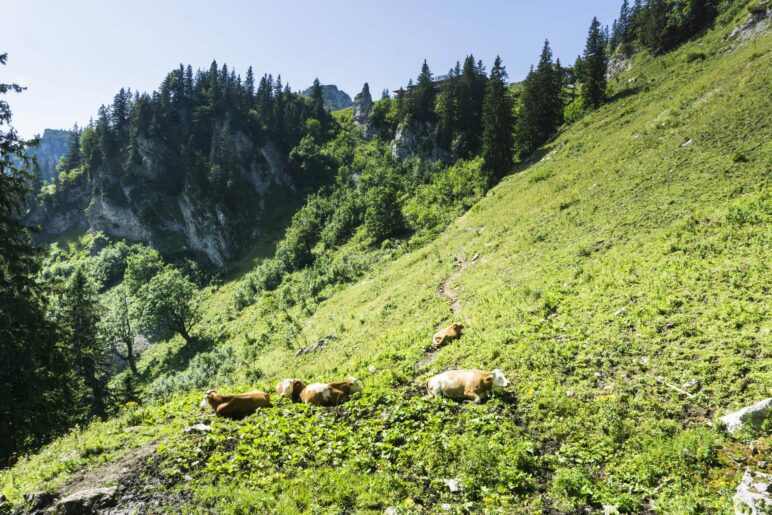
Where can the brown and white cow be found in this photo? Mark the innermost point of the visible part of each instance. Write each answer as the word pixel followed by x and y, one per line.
pixel 474 385
pixel 330 394
pixel 290 389
pixel 447 335
pixel 236 405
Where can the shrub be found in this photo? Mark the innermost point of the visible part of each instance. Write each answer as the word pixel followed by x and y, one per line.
pixel 383 215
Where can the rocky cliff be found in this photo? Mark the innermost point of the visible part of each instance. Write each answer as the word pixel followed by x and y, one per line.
pixel 333 97
pixel 52 146
pixel 185 216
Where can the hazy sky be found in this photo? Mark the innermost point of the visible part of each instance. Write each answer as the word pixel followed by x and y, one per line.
pixel 74 55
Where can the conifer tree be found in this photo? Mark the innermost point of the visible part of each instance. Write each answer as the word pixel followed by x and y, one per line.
pixel 594 64
pixel 497 141
pixel 424 96
pixel 541 111
pixel 72 158
pixel 80 315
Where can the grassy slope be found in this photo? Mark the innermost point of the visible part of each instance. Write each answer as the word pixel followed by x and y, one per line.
pixel 622 260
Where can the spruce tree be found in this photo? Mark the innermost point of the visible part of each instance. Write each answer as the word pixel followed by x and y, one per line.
pixel 424 96
pixel 80 315
pixel 497 142
pixel 594 64
pixel 72 158
pixel 541 107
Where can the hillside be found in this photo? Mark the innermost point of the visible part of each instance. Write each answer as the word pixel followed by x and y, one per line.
pixel 619 278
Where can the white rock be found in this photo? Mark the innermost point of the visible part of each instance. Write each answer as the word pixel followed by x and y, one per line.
pixel 198 428
pixel 753 415
pixel 372 369
pixel 391 510
pixel 752 495
pixel 454 485
pixel 446 506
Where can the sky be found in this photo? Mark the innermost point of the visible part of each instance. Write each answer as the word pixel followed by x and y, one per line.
pixel 74 55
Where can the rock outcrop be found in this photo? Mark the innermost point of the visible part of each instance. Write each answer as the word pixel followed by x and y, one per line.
pixel 144 204
pixel 757 22
pixel 86 501
pixel 752 415
pixel 363 104
pixel 51 147
pixel 416 139
pixel 753 494
pixel 333 98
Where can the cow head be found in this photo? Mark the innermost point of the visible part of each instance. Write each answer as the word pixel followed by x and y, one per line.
pixel 499 381
pixel 290 389
pixel 458 327
pixel 356 384
pixel 207 396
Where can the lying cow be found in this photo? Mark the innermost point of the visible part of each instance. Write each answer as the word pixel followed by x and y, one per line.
pixel 474 385
pixel 290 389
pixel 330 394
pixel 447 335
pixel 237 405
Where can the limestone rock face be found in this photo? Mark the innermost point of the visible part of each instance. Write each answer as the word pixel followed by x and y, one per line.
pixel 758 21
pixel 753 415
pixel 158 203
pixel 52 146
pixel 415 139
pixel 363 104
pixel 333 98
pixel 753 494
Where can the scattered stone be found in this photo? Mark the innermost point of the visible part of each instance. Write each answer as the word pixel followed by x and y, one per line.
pixel 197 428
pixel 86 501
pixel 610 509
pixel 753 448
pixel 762 464
pixel 371 369
pixel 321 344
pixel 475 257
pixel 39 500
pixel 632 80
pixel 446 506
pixel 690 383
pixel 391 510
pixel 609 387
pixel 753 494
pixel 570 393
pixel 454 485
pixel 753 415
pixel 687 143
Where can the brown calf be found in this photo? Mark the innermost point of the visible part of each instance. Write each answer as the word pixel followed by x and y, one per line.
pixel 237 405
pixel 447 335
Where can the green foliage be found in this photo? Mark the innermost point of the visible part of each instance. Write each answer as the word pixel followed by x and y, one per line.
pixel 497 141
pixel 594 64
pixel 168 302
pixel 451 192
pixel 141 267
pixel 78 319
pixel 383 213
pixel 541 107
